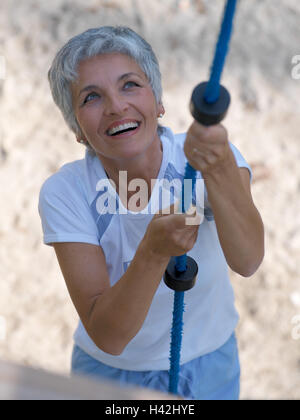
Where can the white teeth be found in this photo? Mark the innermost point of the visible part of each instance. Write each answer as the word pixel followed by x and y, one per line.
pixel 122 127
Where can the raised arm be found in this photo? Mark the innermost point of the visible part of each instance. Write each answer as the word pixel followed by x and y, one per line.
pixel 239 225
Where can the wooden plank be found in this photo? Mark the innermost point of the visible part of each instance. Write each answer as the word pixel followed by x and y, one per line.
pixel 26 383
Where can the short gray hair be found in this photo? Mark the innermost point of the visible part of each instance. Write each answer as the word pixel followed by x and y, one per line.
pixel 97 41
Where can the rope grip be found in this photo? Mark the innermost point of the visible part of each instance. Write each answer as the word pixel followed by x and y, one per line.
pixel 205 112
pixel 181 281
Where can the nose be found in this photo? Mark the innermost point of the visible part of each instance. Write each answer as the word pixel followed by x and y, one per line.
pixel 115 104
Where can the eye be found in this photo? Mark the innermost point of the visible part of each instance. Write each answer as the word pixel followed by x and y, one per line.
pixel 130 84
pixel 90 97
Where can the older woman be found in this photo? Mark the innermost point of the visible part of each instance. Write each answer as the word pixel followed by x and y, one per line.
pixel 107 85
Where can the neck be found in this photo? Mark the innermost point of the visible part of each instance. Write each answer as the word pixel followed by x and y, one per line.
pixel 145 166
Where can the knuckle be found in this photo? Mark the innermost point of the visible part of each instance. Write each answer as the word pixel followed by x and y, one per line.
pixel 210 158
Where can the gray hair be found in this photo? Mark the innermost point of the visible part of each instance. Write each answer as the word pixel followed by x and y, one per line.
pixel 103 40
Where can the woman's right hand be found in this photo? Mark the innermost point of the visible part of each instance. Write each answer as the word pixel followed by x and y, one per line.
pixel 171 233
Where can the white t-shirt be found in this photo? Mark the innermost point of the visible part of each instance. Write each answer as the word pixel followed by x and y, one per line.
pixel 70 209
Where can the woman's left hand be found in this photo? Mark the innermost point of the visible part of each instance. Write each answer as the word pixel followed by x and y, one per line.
pixel 239 225
pixel 207 148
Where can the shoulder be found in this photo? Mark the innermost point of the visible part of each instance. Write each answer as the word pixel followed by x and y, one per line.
pixel 66 180
pixel 176 139
pixel 64 206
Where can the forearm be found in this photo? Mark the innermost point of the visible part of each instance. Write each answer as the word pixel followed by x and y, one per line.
pixel 120 312
pixel 239 225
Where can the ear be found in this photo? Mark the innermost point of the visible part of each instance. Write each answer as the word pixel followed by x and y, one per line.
pixel 160 110
pixel 80 138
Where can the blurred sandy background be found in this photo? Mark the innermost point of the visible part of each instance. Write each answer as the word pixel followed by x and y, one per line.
pixel 37 318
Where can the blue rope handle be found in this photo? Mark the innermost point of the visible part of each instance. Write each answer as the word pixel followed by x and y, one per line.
pixel 211 96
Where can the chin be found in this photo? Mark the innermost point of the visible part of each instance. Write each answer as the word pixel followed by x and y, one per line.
pixel 123 153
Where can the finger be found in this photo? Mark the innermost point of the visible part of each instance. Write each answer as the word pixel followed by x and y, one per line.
pixel 188 240
pixel 193 218
pixel 166 211
pixel 197 129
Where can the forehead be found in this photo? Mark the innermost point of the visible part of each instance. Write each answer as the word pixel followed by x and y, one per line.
pixel 106 67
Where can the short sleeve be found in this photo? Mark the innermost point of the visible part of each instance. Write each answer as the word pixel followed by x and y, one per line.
pixel 64 211
pixel 240 160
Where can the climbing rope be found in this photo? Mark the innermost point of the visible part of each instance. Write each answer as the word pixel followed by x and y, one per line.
pixel 209 104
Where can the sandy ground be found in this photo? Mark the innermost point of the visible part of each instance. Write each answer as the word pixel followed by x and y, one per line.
pixel 37 318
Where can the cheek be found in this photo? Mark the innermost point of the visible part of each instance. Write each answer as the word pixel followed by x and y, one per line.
pixel 152 114
pixel 147 103
pixel 88 121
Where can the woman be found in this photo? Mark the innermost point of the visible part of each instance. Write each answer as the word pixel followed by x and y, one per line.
pixel 107 84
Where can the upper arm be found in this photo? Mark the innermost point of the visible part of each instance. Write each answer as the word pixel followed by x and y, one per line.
pixel 246 179
pixel 244 169
pixel 84 269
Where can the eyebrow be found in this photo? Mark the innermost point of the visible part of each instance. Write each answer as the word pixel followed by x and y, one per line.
pixel 122 77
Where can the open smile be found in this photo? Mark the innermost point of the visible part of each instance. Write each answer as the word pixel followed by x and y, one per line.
pixel 123 128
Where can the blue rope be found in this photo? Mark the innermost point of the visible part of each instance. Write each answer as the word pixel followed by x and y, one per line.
pixel 186 201
pixel 212 94
pixel 176 339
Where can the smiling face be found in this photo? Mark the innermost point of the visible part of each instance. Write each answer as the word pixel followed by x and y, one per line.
pixel 115 107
